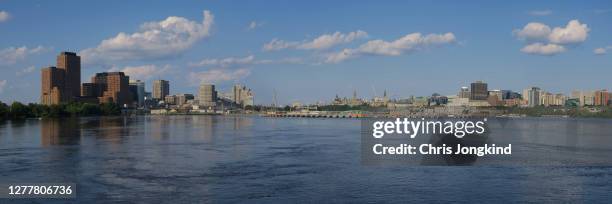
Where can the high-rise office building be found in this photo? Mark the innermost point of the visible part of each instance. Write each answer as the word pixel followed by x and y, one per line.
pixel 52 86
pixel 207 95
pixel 601 98
pixel 62 83
pixel 137 90
pixel 509 94
pixel 183 98
pixel 479 91
pixel 464 92
pixel 161 88
pixel 586 98
pixel 71 64
pixel 113 87
pixel 533 96
pixel 242 96
pixel 89 90
pixel 497 94
pixel 170 100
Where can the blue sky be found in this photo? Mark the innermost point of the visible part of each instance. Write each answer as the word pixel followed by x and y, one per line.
pixel 312 50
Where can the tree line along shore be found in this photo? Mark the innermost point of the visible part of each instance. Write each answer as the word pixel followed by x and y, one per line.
pixel 18 110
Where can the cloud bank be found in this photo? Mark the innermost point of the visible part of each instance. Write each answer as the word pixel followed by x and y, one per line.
pixel 154 40
pixel 4 16
pixel 12 55
pixel 214 76
pixel 324 41
pixel 143 72
pixel 542 40
pixel 407 43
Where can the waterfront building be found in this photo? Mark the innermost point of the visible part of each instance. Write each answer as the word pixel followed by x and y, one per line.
pixel 549 99
pixel 148 100
pixel 560 100
pixel 161 88
pixel 70 63
pixel 494 100
pixel 112 87
pixel 52 86
pixel 137 90
pixel 242 96
pixel 89 90
pixel 479 91
pixel 497 94
pixel 399 104
pixel 601 98
pixel 170 100
pixel 380 101
pixel 458 101
pixel 509 94
pixel 437 99
pixel 419 101
pixel 355 101
pixel 533 96
pixel 62 83
pixel 207 96
pixel 513 102
pixel 181 99
pixel 464 92
pixel 572 102
pixel 586 98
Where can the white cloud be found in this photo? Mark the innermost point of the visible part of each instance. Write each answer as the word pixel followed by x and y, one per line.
pixel 540 12
pixel 329 40
pixel 254 24
pixel 12 55
pixel 407 43
pixel 241 61
pixel 277 44
pixel 4 16
pixel 2 85
pixel 224 62
pixel 144 72
pixel 546 41
pixel 602 50
pixel 543 49
pixel 324 41
pixel 154 40
pixel 574 32
pixel 217 75
pixel 533 31
pixel 25 71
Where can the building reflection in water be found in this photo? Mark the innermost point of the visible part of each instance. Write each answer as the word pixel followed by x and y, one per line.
pixel 158 126
pixel 242 123
pixel 114 129
pixel 65 131
pixel 205 127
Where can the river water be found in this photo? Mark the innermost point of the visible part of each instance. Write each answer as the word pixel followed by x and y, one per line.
pixel 210 159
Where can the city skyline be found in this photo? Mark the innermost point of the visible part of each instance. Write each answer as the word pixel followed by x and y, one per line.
pixel 278 48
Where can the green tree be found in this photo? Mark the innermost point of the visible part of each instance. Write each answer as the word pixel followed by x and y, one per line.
pixel 38 110
pixel 90 109
pixel 19 111
pixel 4 111
pixel 110 109
pixel 55 111
pixel 74 109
